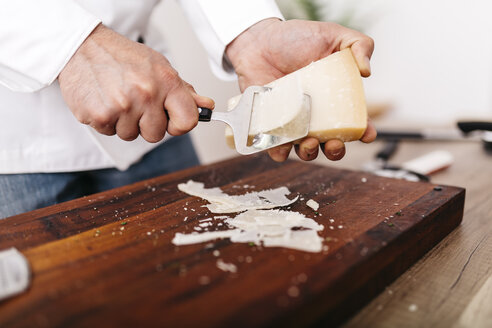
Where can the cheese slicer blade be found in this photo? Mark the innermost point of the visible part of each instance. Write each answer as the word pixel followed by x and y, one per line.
pixel 239 119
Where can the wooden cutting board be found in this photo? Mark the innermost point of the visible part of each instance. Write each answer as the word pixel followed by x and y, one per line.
pixel 108 260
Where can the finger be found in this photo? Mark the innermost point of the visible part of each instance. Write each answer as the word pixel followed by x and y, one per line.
pixel 182 110
pixel 370 134
pixel 104 122
pixel 308 149
pixel 334 149
pixel 108 130
pixel 204 102
pixel 362 47
pixel 127 126
pixel 153 124
pixel 201 101
pixel 280 153
pixel 362 50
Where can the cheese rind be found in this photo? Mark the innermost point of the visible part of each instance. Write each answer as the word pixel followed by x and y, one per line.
pixel 338 107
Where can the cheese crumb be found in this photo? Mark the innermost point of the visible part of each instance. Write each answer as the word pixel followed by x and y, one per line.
pixel 226 267
pixel 313 204
pixel 293 291
pixel 204 280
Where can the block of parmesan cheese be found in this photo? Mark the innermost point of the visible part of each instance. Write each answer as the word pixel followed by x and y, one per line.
pixel 338 107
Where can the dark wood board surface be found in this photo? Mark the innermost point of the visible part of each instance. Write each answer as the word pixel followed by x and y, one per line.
pixel 90 269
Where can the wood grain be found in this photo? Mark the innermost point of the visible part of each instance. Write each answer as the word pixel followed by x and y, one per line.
pixel 479 312
pixel 108 259
pixel 444 282
pixel 69 218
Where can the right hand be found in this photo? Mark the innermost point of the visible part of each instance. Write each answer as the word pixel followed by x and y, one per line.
pixel 121 87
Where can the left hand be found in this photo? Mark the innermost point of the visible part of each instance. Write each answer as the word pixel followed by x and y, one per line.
pixel 272 48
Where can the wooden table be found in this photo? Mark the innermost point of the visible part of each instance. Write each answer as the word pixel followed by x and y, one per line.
pixel 450 286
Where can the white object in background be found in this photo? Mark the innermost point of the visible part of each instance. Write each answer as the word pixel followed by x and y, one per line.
pixel 14 273
pixel 430 163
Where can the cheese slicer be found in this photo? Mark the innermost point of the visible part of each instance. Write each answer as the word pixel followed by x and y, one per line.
pixel 239 119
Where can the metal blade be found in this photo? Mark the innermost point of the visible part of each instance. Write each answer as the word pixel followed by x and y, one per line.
pixel 239 119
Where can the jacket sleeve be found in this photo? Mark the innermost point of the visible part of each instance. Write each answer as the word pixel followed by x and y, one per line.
pixel 219 22
pixel 38 38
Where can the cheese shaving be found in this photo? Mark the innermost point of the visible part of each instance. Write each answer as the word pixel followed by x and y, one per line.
pixel 258 223
pixel 270 228
pixel 196 238
pixel 223 203
pixel 274 228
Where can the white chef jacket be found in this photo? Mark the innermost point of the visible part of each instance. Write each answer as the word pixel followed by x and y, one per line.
pixel 38 132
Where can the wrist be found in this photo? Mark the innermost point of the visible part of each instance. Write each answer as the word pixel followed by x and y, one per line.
pixel 247 38
pixel 84 47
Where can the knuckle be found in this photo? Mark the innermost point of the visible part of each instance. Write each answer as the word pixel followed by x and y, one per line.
pixel 106 130
pixel 152 133
pixel 127 136
pixel 189 86
pixel 121 104
pixel 170 76
pixel 146 90
pixel 185 126
pixel 81 117
pixel 154 137
pixel 102 118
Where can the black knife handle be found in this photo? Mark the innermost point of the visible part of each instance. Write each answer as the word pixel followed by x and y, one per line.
pixel 388 150
pixel 392 135
pixel 469 126
pixel 204 114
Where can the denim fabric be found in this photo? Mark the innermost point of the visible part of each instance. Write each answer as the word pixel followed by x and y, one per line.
pixel 20 193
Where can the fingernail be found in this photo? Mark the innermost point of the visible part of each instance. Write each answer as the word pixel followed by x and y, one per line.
pixel 209 100
pixel 367 62
pixel 337 152
pixel 310 151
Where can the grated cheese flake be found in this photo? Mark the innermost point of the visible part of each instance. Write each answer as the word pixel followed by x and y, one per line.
pixel 313 204
pixel 226 267
pixel 258 224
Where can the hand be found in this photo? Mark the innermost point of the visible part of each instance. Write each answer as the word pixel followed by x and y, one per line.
pixel 272 48
pixel 121 87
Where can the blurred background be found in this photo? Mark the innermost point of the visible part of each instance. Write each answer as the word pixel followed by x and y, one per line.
pixel 432 64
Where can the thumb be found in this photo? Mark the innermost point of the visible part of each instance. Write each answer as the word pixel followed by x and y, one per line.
pixel 200 101
pixel 362 47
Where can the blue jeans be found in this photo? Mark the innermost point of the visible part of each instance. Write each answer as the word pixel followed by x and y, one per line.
pixel 21 193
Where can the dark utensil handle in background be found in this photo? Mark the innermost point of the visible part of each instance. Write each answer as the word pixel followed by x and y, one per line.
pixel 392 135
pixel 388 149
pixel 204 114
pixel 469 126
